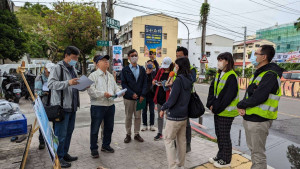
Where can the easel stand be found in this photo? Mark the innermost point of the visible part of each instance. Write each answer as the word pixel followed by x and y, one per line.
pixel 56 165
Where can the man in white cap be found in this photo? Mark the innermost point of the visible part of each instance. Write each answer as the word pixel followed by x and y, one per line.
pixel 41 89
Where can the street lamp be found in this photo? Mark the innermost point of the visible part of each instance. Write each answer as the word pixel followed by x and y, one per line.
pixel 188 32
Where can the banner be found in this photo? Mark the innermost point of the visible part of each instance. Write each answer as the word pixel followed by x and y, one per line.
pixel 117 58
pixel 290 57
pixel 153 40
pixel 46 130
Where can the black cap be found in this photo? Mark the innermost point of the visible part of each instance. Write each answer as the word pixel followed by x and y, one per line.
pixel 100 57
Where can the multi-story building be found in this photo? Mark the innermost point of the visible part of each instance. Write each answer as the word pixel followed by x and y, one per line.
pixel 215 44
pixel 286 37
pixel 132 36
pixel 251 45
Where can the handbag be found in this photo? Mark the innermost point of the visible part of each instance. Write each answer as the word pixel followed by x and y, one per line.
pixel 56 113
pixel 195 107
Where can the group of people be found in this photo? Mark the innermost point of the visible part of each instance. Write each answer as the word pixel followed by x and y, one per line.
pixel 169 87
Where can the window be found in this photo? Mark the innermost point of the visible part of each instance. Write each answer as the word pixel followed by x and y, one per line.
pixel 193 53
pixel 142 34
pixel 279 37
pixel 250 46
pixel 207 54
pixel 295 76
pixel 208 44
pixel 165 36
pixel 178 41
pixel 239 47
pixel 278 47
pixel 164 50
pixel 142 49
pixel 257 45
pixel 288 46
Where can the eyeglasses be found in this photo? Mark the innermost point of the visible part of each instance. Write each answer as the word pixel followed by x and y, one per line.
pixel 134 56
pixel 258 53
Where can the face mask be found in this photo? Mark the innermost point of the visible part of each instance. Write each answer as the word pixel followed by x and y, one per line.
pixel 134 60
pixel 220 65
pixel 253 60
pixel 72 62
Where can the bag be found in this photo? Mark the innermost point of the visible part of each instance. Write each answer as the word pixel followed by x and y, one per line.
pixel 56 113
pixel 195 107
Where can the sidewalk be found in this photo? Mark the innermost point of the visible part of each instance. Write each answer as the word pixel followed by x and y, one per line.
pixel 135 155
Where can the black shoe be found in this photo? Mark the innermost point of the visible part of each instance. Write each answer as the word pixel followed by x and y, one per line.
pixel 138 138
pixel 188 147
pixel 64 164
pixel 69 158
pixel 107 149
pixel 127 139
pixel 158 137
pixel 42 146
pixel 95 154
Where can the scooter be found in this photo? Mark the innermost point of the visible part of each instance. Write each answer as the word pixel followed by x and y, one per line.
pixel 30 77
pixel 11 87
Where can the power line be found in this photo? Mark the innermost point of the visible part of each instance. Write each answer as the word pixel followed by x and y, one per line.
pixel 282 6
pixel 273 7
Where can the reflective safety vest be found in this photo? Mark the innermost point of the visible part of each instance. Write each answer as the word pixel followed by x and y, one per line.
pixel 269 108
pixel 231 109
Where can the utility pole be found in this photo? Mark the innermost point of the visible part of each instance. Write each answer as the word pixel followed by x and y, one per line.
pixel 203 40
pixel 244 56
pixel 110 13
pixel 103 15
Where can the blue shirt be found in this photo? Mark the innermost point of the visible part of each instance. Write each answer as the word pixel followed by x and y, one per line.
pixel 135 71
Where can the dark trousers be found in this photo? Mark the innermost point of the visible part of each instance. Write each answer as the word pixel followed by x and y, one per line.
pixel 222 128
pixel 64 130
pixel 188 132
pixel 99 113
pixel 150 103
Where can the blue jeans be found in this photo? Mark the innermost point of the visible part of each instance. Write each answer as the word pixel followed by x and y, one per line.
pixel 99 114
pixel 149 101
pixel 64 130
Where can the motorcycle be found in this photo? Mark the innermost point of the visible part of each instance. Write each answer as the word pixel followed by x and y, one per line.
pixel 11 87
pixel 30 77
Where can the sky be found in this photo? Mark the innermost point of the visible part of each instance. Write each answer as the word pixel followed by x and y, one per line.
pixel 226 17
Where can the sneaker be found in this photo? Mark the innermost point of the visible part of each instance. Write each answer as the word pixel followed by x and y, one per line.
pixel 221 164
pixel 127 139
pixel 64 164
pixel 144 128
pixel 213 160
pixel 107 149
pixel 152 128
pixel 95 154
pixel 138 138
pixel 42 146
pixel 158 137
pixel 69 158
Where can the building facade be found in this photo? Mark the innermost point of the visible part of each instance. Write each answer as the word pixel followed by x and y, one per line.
pixel 251 45
pixel 132 36
pixel 215 44
pixel 286 37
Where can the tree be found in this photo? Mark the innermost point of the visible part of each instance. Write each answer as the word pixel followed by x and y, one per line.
pixel 297 24
pixel 75 24
pixel 32 19
pixel 202 24
pixel 12 37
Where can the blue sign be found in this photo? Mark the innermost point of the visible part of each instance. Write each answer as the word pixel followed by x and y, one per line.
pixel 46 130
pixel 117 58
pixel 153 40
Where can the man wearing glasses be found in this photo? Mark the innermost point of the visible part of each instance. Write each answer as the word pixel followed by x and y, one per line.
pixel 260 105
pixel 134 79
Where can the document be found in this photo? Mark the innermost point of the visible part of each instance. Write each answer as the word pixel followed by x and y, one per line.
pixel 119 94
pixel 84 82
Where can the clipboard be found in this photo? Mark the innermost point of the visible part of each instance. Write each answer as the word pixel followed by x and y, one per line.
pixel 140 106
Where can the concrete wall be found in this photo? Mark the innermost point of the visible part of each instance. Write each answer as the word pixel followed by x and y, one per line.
pixel 169 26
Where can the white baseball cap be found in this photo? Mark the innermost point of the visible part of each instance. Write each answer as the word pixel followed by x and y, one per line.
pixel 49 66
pixel 166 62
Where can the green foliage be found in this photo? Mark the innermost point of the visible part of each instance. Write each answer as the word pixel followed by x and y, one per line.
pixel 12 37
pixel 293 154
pixel 204 11
pixel 75 24
pixel 298 24
pixel 248 72
pixel 289 66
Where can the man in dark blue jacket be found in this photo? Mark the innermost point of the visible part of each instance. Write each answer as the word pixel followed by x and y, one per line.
pixel 134 79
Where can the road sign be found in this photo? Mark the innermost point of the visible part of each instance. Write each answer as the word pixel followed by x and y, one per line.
pixel 102 43
pixel 112 23
pixel 204 59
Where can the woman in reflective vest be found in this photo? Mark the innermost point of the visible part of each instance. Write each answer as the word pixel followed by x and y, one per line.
pixel 222 101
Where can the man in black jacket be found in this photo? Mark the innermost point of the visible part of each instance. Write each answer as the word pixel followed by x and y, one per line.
pixel 134 79
pixel 260 104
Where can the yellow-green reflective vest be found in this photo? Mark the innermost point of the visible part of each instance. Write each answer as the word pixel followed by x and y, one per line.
pixel 269 108
pixel 231 109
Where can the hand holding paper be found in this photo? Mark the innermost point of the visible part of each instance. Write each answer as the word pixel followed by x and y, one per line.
pixel 82 83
